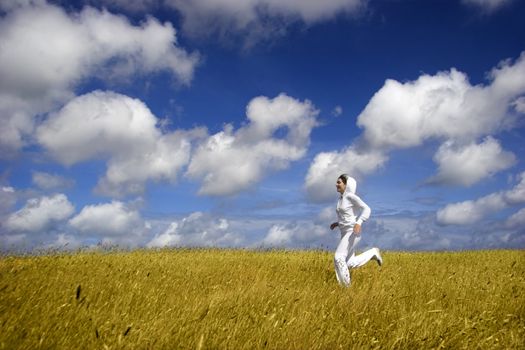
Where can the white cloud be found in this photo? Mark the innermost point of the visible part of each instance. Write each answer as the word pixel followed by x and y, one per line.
pixel 46 52
pixel 298 234
pixel 278 133
pixel 278 235
pixel 517 219
pixel 328 215
pixel 40 213
pixel 98 123
pixel 123 131
pixel 255 20
pixel 467 164
pixel 44 48
pixel 419 231
pixel 519 105
pixel 419 234
pixel 413 231
pixel 63 241
pixel 17 122
pixel 471 211
pixel 198 230
pixel 327 166
pixel 247 22
pixel 168 238
pixel 443 107
pixel 517 194
pixel 303 233
pixel 113 221
pixel 8 189
pixel 48 181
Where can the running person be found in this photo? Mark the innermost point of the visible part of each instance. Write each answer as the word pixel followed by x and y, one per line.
pixel 352 211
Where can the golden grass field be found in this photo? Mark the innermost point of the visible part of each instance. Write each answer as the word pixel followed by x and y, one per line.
pixel 242 299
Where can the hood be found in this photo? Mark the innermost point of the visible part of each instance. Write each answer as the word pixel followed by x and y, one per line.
pixel 351 184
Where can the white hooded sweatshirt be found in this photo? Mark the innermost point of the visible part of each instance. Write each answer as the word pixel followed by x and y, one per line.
pixel 351 209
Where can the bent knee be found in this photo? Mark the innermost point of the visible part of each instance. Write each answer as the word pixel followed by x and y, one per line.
pixel 340 259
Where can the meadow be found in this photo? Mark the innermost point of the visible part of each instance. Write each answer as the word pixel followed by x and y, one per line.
pixel 244 299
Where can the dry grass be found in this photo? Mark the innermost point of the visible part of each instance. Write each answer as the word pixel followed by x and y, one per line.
pixel 238 299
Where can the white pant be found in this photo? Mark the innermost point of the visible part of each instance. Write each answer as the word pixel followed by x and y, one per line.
pixel 345 257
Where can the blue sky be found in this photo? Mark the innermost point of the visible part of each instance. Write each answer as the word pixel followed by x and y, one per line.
pixel 153 123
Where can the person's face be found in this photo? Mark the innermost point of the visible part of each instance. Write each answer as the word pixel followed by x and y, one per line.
pixel 340 185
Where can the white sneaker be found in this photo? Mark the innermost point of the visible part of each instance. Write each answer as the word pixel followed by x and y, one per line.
pixel 377 257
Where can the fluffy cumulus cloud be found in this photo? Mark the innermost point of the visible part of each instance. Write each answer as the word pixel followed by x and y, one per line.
pixel 122 130
pixel 443 107
pixel 39 214
pixel 472 211
pixel 277 133
pixel 46 52
pixel 279 235
pixel 198 229
pixel 327 166
pixel 467 164
pixel 114 223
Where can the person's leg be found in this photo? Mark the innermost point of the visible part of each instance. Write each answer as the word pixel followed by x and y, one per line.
pixel 377 257
pixel 353 240
pixel 341 253
pixel 361 259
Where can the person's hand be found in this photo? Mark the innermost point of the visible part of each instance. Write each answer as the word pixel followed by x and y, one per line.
pixel 334 225
pixel 357 229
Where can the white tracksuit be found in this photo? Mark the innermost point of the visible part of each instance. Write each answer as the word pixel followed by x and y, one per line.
pixel 348 206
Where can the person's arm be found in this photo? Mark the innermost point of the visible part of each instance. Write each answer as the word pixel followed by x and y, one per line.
pixel 363 215
pixel 334 225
